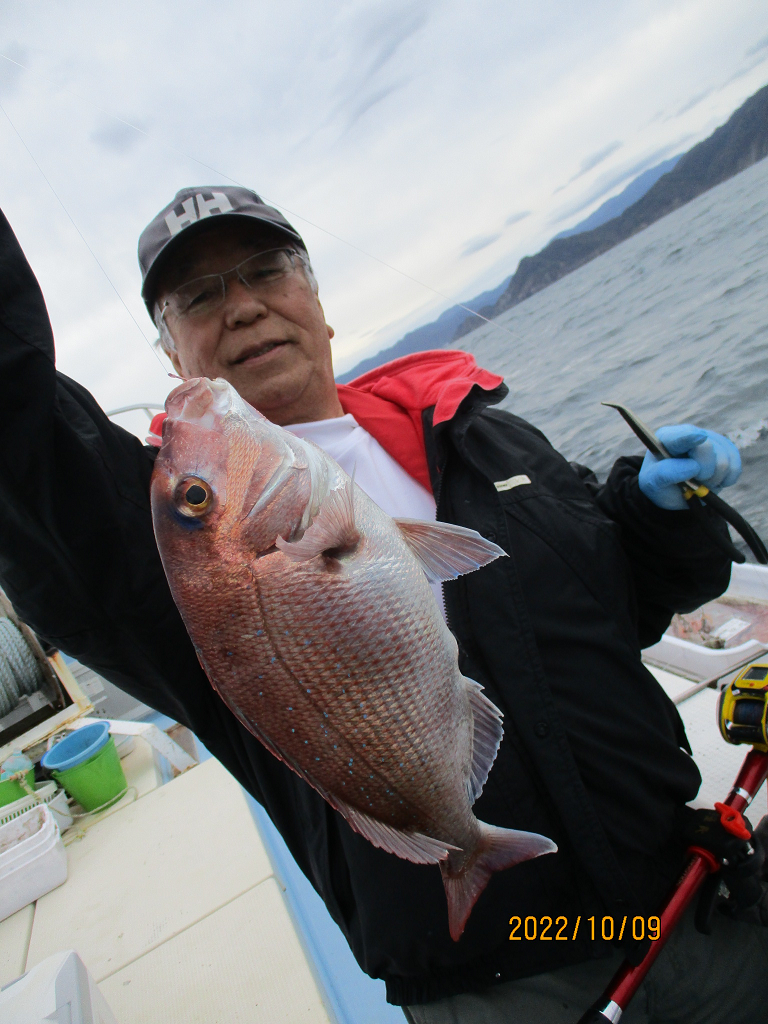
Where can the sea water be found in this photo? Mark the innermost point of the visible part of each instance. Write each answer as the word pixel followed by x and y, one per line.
pixel 672 323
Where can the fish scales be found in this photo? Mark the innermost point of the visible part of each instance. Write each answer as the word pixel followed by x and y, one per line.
pixel 367 698
pixel 312 616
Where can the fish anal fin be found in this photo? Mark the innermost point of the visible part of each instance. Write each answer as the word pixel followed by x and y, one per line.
pixel 413 846
pixel 487 733
pixel 446 550
pixel 332 531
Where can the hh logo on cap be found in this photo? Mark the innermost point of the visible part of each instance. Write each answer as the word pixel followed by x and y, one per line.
pixel 218 203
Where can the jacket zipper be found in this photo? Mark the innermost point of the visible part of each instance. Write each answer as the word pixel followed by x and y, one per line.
pixel 448 621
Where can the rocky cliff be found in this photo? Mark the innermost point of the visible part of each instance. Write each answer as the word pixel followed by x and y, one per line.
pixel 736 145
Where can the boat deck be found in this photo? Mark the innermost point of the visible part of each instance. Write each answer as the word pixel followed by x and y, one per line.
pixel 718 761
pixel 173 904
pixel 176 902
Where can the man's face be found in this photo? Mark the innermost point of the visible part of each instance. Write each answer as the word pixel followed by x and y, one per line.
pixel 274 349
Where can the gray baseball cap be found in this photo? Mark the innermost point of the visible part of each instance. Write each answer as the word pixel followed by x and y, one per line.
pixel 191 210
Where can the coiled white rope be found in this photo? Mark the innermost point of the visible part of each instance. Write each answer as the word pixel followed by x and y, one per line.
pixel 20 672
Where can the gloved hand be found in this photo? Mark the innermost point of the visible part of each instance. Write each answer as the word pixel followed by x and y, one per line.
pixel 738 889
pixel 706 456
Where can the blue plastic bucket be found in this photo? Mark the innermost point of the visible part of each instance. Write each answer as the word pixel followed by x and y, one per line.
pixel 78 746
pixel 97 782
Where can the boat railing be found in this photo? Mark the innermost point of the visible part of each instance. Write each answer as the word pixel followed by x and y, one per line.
pixel 148 407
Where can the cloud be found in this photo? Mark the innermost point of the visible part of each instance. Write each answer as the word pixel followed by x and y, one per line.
pixel 378 36
pixel 424 90
pixel 608 183
pixel 365 104
pixel 115 135
pixel 597 158
pixel 590 162
pixel 657 156
pixel 759 56
pixel 481 242
pixel 694 101
pixel 10 72
pixel 387 34
pixel 761 45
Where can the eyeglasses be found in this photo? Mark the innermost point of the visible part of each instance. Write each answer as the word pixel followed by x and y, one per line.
pixel 260 273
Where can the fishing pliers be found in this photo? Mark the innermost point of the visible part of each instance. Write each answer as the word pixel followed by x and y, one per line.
pixel 696 493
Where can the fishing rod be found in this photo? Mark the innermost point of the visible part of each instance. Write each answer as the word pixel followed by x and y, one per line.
pixel 742 715
pixel 697 495
pixel 100 265
pixel 698 687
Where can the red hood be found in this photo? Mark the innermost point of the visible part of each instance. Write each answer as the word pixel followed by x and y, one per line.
pixel 388 402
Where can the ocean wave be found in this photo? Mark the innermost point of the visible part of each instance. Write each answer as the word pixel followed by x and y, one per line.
pixel 744 437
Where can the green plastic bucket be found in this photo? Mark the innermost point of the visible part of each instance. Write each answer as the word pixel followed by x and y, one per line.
pixel 11 790
pixel 97 782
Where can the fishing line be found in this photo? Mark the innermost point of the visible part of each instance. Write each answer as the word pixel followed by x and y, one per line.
pixel 292 213
pixel 85 240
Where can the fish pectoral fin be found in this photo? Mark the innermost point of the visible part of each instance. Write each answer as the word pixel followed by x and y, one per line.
pixel 413 846
pixel 487 733
pixel 332 531
pixel 445 550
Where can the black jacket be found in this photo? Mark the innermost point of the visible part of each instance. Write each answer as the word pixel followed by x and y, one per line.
pixel 592 748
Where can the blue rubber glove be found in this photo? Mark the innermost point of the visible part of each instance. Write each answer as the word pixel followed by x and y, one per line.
pixel 707 457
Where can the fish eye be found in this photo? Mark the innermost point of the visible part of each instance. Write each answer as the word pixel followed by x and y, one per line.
pixel 193 496
pixel 196 495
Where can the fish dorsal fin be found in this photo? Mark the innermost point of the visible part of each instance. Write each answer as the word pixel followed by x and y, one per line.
pixel 332 529
pixel 486 737
pixel 445 550
pixel 413 846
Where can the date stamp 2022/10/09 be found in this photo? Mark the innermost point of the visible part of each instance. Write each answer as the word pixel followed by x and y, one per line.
pixel 560 929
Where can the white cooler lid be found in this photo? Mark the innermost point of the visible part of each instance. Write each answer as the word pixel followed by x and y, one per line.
pixel 59 984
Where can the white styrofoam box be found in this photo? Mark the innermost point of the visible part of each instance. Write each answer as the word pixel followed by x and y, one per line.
pixel 32 859
pixel 23 837
pixel 748 582
pixel 47 793
pixel 58 989
pixel 696 662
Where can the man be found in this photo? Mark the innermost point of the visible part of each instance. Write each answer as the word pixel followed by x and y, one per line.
pixel 591 755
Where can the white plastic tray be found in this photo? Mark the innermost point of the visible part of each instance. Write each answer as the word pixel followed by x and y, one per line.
pixel 47 793
pixel 32 859
pixel 695 662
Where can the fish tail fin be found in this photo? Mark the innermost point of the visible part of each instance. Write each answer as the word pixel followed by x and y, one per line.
pixel 498 849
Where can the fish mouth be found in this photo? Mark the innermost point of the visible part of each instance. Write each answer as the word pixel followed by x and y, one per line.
pixel 259 350
pixel 199 399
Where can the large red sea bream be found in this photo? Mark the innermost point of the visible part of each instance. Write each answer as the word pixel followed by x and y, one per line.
pixel 313 617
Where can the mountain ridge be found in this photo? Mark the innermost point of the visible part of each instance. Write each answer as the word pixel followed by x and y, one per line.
pixel 617 204
pixel 737 144
pixel 436 334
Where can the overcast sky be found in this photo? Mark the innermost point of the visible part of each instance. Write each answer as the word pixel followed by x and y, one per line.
pixel 445 140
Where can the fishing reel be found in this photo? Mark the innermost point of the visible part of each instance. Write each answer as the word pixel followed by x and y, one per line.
pixel 743 707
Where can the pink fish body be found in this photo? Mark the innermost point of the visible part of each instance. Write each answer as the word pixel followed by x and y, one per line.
pixel 312 615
